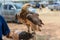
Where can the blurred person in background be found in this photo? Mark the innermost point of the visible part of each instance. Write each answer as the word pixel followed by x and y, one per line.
pixel 37 5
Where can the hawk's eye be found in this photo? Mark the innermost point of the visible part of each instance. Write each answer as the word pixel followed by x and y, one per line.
pixel 28 5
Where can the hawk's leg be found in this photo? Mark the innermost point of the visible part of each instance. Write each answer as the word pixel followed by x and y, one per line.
pixel 28 26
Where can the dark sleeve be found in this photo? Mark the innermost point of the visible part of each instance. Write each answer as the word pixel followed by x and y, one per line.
pixel 5 28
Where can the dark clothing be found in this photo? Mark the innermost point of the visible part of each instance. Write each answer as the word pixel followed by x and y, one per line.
pixel 4 30
pixel 37 5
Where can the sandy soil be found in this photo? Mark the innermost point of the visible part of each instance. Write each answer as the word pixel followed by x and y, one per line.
pixel 51 29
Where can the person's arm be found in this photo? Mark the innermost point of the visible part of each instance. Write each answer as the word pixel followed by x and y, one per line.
pixel 5 28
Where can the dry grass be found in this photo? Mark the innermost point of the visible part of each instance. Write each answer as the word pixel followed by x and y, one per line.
pixel 51 29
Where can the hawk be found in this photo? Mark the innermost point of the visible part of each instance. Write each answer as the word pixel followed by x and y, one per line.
pixel 30 19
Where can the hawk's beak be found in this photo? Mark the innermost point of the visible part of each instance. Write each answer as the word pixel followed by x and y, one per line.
pixel 31 5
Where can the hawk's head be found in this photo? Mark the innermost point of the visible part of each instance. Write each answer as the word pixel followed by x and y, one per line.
pixel 25 6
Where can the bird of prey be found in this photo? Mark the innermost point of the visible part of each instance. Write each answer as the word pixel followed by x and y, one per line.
pixel 30 19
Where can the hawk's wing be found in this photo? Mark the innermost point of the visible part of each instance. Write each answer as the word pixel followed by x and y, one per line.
pixel 34 19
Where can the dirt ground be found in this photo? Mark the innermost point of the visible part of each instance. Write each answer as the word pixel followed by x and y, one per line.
pixel 51 29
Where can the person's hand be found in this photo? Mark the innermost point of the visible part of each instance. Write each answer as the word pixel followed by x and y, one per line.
pixel 9 35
